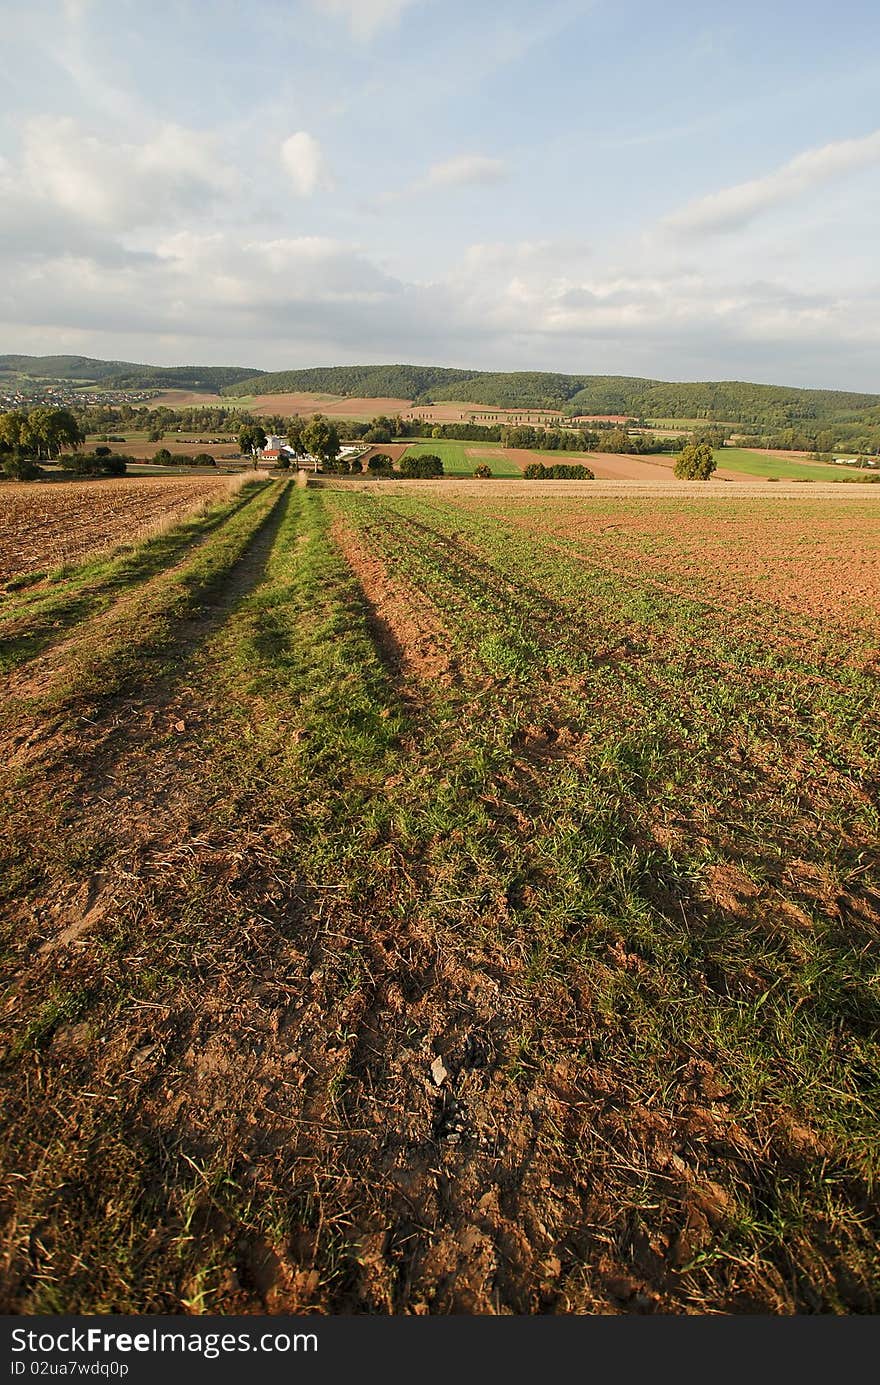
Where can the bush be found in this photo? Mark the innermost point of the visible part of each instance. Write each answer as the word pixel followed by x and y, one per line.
pixel 483 472
pixel 163 457
pixel 205 459
pixel 21 468
pixel 378 434
pixel 421 468
pixel 571 471
pixel 101 462
pixel 559 471
pixel 115 465
pixel 380 465
pixel 696 463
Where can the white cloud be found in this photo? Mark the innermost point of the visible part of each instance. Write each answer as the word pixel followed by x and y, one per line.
pixel 365 17
pixel 733 207
pixel 75 10
pixel 466 169
pixel 304 162
pixel 115 185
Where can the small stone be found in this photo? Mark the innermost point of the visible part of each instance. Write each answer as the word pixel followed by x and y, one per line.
pixel 439 1072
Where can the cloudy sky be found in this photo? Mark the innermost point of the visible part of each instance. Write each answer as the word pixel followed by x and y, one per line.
pixel 686 190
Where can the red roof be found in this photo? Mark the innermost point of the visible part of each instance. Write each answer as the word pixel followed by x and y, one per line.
pixel 272 454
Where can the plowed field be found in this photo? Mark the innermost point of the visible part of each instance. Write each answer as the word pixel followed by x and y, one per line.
pixel 44 525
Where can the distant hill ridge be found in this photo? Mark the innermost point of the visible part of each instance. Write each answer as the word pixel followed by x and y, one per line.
pixel 125 375
pixel 731 401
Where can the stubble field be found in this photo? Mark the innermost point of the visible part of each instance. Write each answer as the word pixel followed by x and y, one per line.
pixel 426 899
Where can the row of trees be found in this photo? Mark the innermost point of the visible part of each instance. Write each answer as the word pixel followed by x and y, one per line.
pixel 36 435
pixel 41 434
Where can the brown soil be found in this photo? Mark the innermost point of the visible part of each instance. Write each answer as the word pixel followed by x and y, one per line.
pixel 394 450
pixel 287 405
pixel 45 525
pixel 827 566
pixel 407 628
pixel 353 1067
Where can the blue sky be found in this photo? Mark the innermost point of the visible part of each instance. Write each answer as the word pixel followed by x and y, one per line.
pixel 682 190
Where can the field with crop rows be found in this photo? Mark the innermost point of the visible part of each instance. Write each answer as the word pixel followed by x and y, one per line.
pixel 428 899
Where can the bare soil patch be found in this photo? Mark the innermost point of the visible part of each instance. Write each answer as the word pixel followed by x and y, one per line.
pixel 334 406
pixel 45 525
pixel 185 399
pixel 394 450
pixel 406 627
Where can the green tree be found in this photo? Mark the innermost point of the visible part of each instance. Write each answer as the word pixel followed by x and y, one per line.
pixel 251 439
pixel 378 432
pixel 423 467
pixel 295 437
pixel 12 433
pixel 696 463
pixel 321 440
pixel 48 431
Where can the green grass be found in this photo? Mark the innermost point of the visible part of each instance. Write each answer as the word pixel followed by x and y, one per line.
pixel 782 469
pixel 457 462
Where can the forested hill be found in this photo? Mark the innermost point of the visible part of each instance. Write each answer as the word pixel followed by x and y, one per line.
pixel 733 401
pixel 126 375
pixel 364 382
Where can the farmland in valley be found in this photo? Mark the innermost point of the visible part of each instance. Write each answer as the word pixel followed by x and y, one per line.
pixel 428 898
